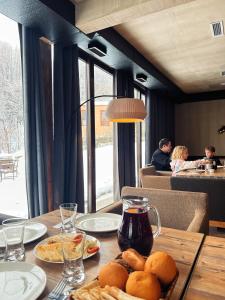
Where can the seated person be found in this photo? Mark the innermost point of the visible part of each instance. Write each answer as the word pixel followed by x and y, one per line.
pixel 161 157
pixel 179 157
pixel 210 153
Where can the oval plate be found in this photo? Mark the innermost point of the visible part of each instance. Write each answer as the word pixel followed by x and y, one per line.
pixel 88 237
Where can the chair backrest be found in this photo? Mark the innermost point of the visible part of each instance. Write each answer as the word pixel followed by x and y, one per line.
pixel 155 182
pixel 150 170
pixel 176 209
pixel 150 178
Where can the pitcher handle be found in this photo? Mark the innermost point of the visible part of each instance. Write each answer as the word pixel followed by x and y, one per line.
pixel 158 229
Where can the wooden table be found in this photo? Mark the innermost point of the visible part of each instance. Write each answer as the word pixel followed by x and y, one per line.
pixel 208 277
pixel 218 173
pixel 181 245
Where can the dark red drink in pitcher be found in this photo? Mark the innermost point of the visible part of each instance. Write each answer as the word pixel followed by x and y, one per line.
pixel 135 229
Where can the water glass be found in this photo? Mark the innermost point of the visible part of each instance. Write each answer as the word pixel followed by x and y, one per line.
pixel 68 212
pixel 73 244
pixel 13 230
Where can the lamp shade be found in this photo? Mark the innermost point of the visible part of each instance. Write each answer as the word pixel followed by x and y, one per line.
pixel 126 110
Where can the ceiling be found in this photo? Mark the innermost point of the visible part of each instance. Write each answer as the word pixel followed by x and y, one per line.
pixel 179 42
pixel 176 38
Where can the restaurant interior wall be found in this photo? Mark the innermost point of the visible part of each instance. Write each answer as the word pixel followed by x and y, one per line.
pixel 196 126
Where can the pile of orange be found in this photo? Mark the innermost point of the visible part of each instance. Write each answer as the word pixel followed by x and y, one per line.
pixel 147 278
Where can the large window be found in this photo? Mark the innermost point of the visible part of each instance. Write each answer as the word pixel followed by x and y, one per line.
pixel 84 94
pixel 103 85
pixel 97 134
pixel 12 166
pixel 139 139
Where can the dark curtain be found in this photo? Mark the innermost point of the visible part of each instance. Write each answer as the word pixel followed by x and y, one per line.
pixel 159 121
pixel 34 123
pixel 126 135
pixel 68 183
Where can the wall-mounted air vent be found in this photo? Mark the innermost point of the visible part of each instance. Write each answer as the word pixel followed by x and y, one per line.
pixel 222 73
pixel 217 29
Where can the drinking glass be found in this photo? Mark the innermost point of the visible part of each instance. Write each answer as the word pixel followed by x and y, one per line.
pixel 68 213
pixel 73 244
pixel 13 230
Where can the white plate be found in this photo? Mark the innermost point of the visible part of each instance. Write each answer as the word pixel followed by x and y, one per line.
pixel 32 232
pixel 99 222
pixel 220 167
pixel 88 237
pixel 21 281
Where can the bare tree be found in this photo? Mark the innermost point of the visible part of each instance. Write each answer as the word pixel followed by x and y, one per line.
pixel 11 103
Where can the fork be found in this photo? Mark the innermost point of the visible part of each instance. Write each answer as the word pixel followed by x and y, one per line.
pixel 57 291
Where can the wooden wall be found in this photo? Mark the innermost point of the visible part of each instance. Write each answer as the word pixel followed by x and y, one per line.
pixel 196 126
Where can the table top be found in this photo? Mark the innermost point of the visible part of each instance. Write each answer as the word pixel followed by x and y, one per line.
pixel 183 246
pixel 220 172
pixel 208 277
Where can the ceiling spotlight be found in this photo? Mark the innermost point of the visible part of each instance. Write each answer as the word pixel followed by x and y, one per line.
pixel 97 48
pixel 141 77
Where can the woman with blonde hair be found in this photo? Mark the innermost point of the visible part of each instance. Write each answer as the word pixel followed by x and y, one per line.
pixel 179 157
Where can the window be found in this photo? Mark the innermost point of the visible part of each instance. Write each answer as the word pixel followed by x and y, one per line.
pixel 97 133
pixel 83 76
pixel 139 139
pixel 103 85
pixel 12 160
pixel 104 120
pixel 83 117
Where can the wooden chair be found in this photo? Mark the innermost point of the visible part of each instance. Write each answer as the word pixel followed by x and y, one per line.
pixel 9 167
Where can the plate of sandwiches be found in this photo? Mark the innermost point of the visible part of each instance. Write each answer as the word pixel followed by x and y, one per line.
pixel 50 249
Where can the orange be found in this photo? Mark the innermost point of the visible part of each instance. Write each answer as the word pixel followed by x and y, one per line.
pixel 162 265
pixel 113 274
pixel 143 285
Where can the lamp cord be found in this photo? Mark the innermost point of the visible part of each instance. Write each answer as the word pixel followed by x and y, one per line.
pixel 92 98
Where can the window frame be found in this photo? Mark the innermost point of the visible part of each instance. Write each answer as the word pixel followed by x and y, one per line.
pixel 138 134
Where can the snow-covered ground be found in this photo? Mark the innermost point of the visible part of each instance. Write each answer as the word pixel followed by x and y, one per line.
pixel 13 199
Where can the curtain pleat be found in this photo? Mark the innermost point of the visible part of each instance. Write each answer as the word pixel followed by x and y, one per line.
pixel 126 135
pixel 35 129
pixel 67 154
pixel 159 121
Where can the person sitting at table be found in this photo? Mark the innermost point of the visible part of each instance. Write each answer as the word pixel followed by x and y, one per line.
pixel 179 157
pixel 161 157
pixel 210 154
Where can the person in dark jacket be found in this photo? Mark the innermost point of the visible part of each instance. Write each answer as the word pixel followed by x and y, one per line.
pixel 161 157
pixel 210 154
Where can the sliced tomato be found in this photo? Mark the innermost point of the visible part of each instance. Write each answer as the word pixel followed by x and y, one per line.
pixel 92 249
pixel 78 238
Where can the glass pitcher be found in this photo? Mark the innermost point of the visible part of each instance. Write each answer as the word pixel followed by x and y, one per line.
pixel 135 230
